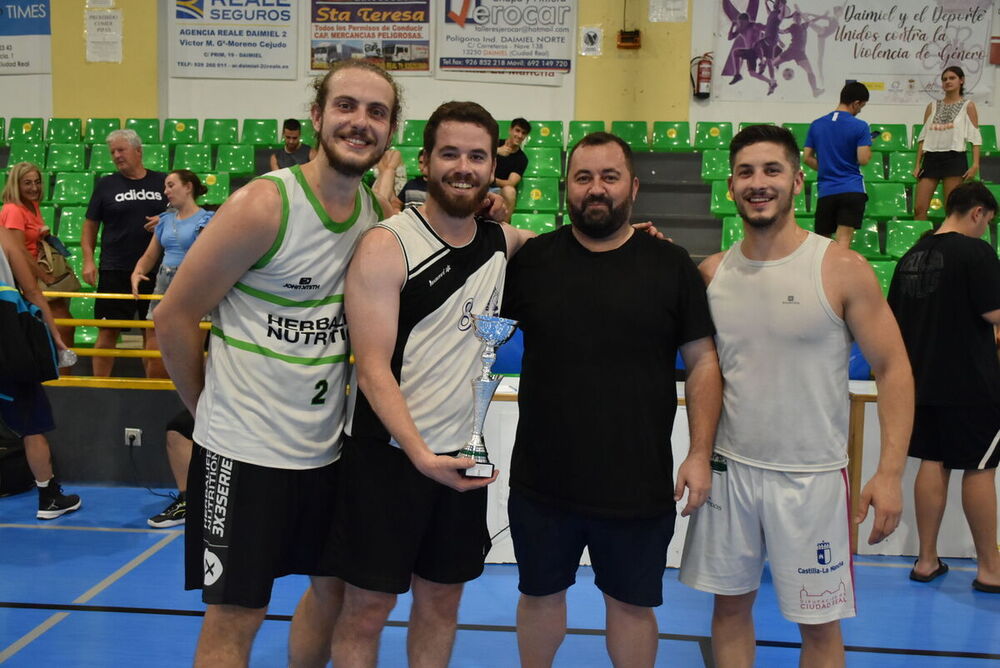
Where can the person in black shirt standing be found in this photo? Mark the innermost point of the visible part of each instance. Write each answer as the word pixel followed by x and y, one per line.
pixel 946 296
pixel 511 162
pixel 124 206
pixel 604 311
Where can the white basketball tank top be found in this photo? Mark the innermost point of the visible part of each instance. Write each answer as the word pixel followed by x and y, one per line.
pixel 277 371
pixel 784 355
pixel 437 355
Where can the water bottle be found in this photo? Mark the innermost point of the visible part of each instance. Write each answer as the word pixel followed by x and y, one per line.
pixel 66 358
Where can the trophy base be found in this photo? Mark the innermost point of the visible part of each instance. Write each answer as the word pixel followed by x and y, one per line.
pixel 479 471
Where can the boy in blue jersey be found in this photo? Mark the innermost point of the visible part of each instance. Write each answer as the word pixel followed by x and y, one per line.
pixel 836 146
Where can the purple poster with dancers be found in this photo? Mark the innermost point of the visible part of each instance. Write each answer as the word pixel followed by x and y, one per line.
pixel 776 50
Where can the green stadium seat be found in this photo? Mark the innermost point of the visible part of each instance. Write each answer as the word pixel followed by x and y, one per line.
pixel 220 131
pixel 712 135
pixel 3 130
pixel 539 223
pixel 799 131
pixel 237 159
pixel 883 272
pixel 180 131
pixel 874 171
pixel 800 204
pixel 915 136
pixel 671 136
pixel 806 222
pixel 73 188
pixel 308 135
pixel 100 159
pixel 25 152
pixel 64 131
pixel 887 200
pixel 196 157
pixel 989 145
pixel 809 175
pixel 260 132
pixel 732 231
pixel 66 158
pixel 900 235
pixel 866 242
pixel 891 137
pixel 48 213
pixel 503 128
pixel 413 132
pixel 722 202
pixel 901 166
pixel 546 133
pixel 714 165
pixel 545 161
pixel 935 209
pixel 98 129
pixel 26 130
pixel 218 188
pixel 82 309
pixel 580 129
pixel 536 195
pixel 635 133
pixel 410 162
pixel 156 157
pixel 71 224
pixel 148 129
pixel 3 178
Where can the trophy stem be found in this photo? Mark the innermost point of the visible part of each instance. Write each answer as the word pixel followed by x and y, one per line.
pixel 493 332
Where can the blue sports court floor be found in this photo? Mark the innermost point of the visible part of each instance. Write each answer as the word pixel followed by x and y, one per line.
pixel 99 588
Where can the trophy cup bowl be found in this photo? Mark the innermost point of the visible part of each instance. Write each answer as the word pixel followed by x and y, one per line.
pixel 493 331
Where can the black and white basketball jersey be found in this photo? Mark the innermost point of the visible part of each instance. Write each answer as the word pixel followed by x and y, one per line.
pixel 436 353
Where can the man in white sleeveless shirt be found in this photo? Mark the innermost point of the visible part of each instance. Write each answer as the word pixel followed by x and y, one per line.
pixel 269 407
pixel 786 303
pixel 405 515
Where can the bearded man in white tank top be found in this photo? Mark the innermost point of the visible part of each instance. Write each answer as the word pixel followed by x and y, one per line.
pixel 269 407
pixel 786 303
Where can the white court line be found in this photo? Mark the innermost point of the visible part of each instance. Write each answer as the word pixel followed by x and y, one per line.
pixel 969 569
pixel 51 527
pixel 32 635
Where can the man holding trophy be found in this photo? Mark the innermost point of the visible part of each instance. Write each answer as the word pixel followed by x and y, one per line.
pixel 604 311
pixel 409 512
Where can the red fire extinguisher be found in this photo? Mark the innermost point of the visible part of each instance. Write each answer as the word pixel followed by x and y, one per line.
pixel 701 75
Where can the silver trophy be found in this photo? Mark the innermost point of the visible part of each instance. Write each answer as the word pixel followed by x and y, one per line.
pixel 493 331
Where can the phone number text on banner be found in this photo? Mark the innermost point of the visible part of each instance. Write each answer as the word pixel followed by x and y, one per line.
pixel 392 34
pixel 505 41
pixel 228 39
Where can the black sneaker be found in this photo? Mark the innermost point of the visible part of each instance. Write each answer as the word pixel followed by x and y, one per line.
pixel 171 516
pixel 52 503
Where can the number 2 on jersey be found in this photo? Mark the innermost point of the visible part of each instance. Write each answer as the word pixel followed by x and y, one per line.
pixel 321 389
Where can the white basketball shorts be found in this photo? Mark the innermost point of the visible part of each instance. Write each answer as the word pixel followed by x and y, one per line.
pixel 799 522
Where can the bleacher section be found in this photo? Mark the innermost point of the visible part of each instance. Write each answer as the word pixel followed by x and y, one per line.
pixel 682 168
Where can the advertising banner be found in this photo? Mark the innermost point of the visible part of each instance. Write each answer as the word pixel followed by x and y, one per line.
pixel 796 52
pixel 510 41
pixel 234 39
pixel 25 37
pixel 392 34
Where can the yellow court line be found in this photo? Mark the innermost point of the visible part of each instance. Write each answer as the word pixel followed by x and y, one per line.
pixel 115 324
pixel 36 632
pixel 53 527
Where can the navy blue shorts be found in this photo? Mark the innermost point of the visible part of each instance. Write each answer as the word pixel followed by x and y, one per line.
pixel 840 210
pixel 30 412
pixel 628 555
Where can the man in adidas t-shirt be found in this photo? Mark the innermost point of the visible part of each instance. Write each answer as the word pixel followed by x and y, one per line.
pixel 121 206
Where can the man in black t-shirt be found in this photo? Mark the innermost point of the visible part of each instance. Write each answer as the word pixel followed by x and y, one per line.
pixel 604 311
pixel 511 162
pixel 946 296
pixel 123 207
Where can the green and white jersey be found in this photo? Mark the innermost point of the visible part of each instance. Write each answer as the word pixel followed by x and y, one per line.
pixel 277 370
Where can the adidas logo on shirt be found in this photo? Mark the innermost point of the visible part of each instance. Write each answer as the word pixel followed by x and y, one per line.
pixel 132 195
